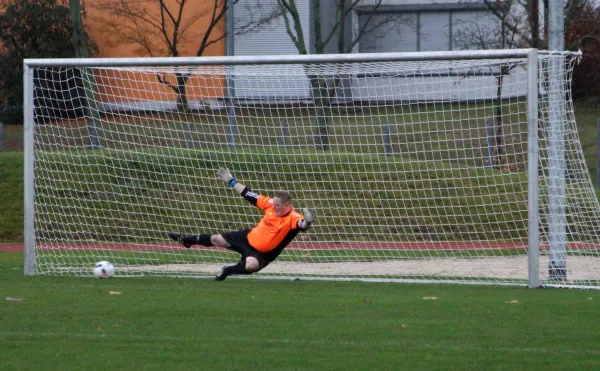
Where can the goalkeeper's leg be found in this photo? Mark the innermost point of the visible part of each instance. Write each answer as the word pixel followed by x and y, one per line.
pixel 247 265
pixel 236 241
pixel 190 240
pixel 212 240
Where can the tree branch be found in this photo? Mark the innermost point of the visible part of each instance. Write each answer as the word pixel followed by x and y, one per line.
pixel 298 38
pixel 494 9
pixel 163 29
pixel 214 20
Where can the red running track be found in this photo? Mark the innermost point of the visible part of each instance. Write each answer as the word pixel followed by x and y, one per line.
pixel 11 247
pixel 310 246
pixel 293 246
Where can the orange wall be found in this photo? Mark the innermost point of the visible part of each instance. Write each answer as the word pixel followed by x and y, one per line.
pixel 118 86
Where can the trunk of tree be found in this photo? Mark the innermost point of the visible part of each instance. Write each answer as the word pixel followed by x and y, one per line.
pixel 546 24
pixel 89 84
pixel 79 40
pixel 182 100
pixel 319 85
pixel 322 105
pixel 501 159
pixel 533 18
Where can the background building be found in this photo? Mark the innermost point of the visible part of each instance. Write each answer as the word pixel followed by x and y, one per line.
pixel 406 26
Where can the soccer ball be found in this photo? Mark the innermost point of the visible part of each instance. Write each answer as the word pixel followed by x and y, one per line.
pixel 104 269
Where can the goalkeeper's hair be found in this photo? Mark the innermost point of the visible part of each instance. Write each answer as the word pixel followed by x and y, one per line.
pixel 284 196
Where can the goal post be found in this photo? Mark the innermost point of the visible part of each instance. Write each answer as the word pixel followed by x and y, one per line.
pixel 533 160
pixel 422 167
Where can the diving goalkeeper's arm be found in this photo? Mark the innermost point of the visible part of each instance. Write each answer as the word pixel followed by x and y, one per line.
pixel 248 194
pixel 225 175
pixel 309 218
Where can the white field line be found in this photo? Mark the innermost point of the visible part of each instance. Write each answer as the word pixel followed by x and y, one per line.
pixel 314 342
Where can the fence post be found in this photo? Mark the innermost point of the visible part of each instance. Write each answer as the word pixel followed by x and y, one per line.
pixel 387 142
pixel 491 139
pixel 283 124
pixel 189 141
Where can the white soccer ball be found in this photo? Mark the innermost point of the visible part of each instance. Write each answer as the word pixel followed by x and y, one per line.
pixel 104 269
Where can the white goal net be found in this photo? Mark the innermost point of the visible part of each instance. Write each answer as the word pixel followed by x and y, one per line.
pixel 421 167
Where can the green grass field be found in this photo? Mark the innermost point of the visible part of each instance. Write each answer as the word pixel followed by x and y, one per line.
pixel 198 324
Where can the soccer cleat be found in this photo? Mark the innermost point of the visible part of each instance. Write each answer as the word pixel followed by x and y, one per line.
pixel 178 237
pixel 222 274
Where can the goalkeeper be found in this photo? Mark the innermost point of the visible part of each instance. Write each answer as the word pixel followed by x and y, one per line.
pixel 260 245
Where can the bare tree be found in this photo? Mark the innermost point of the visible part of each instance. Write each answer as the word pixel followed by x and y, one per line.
pixel 165 28
pixel 521 20
pixel 333 31
pixel 483 34
pixel 518 26
pixel 582 32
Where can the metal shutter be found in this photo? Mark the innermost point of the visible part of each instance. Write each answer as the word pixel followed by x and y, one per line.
pixel 434 31
pixel 270 39
pixel 400 37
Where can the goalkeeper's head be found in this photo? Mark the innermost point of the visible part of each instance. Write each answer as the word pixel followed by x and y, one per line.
pixel 282 203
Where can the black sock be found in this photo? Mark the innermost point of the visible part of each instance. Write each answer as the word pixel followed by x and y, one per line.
pixel 239 268
pixel 201 239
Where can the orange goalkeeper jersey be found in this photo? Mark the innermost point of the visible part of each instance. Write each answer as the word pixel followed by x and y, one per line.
pixel 272 232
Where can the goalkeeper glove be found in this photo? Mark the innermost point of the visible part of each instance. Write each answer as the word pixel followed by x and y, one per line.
pixel 308 216
pixel 224 175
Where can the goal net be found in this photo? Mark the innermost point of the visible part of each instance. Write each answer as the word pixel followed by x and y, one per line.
pixel 461 167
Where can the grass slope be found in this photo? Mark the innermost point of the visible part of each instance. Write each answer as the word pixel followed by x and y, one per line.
pixel 138 190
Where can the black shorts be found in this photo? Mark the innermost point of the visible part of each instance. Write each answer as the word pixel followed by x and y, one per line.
pixel 239 243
